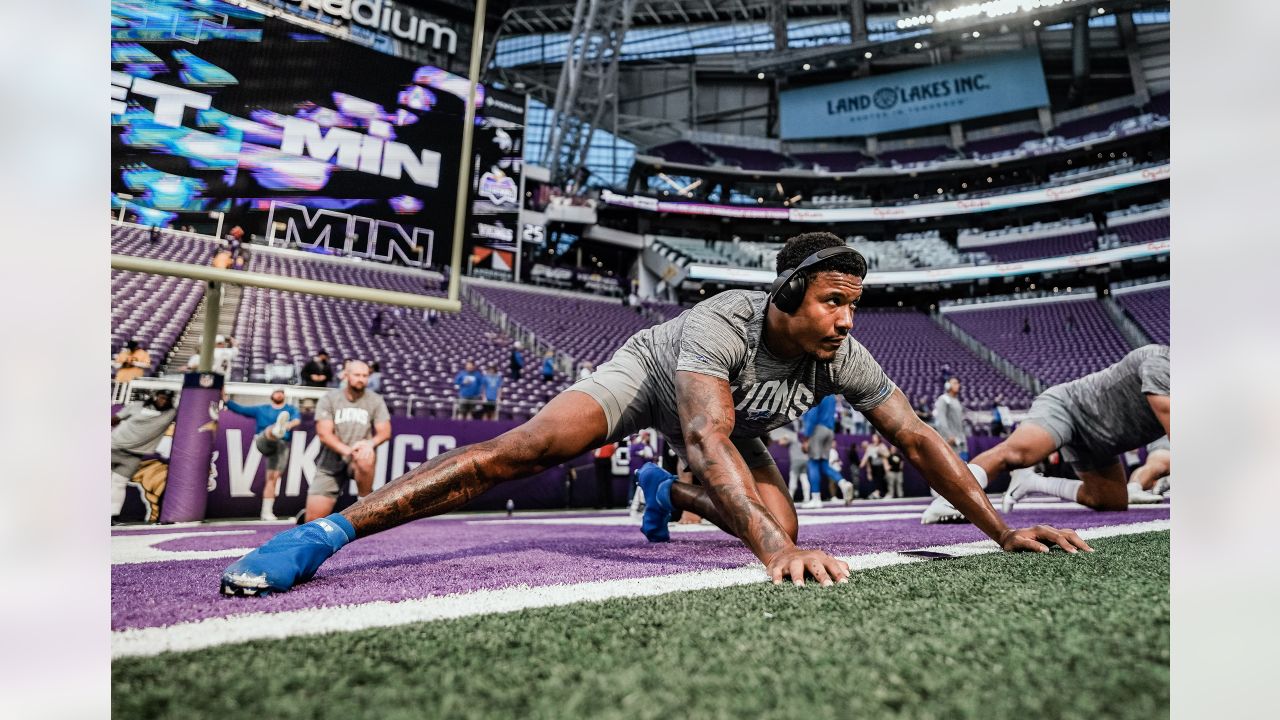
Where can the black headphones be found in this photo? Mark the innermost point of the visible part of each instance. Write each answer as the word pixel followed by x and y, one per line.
pixel 787 291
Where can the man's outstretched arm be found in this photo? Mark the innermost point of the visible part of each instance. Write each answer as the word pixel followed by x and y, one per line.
pixel 947 473
pixel 706 419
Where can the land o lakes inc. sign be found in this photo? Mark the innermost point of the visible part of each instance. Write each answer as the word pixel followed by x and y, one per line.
pixel 915 98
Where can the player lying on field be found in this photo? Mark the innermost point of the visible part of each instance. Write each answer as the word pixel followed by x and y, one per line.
pixel 1091 421
pixel 713 381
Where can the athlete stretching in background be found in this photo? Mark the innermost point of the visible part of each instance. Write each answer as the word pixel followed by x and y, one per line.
pixel 712 381
pixel 1091 420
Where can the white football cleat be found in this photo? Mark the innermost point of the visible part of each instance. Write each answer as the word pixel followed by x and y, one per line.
pixel 941 511
pixel 1017 488
pixel 281 425
pixel 814 503
pixel 1162 486
pixel 1138 496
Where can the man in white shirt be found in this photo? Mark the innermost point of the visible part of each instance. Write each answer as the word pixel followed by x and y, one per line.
pixel 223 355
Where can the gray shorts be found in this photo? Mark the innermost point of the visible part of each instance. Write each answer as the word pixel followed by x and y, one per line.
pixel 1052 410
pixel 328 481
pixel 820 443
pixel 274 451
pixel 624 389
pixel 124 463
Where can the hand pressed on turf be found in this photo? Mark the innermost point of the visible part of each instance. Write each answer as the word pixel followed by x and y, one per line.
pixel 795 563
pixel 1033 539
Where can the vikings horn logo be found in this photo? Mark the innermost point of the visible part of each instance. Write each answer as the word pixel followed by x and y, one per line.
pixel 150 479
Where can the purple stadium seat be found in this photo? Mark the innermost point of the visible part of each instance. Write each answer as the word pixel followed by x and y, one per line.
pixel 913 349
pixel 154 309
pixel 682 151
pixel 1003 143
pixel 1142 231
pixel 1093 123
pixel 587 329
pixel 911 156
pixel 1054 350
pixel 1149 309
pixel 748 158
pixel 1071 243
pixel 836 161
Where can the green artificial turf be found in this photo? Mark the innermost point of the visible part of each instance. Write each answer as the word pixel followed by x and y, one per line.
pixel 994 636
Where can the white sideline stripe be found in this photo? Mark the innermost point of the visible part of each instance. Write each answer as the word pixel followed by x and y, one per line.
pixel 129 549
pixel 804 520
pixel 119 530
pixel 139 548
pixel 831 517
pixel 196 635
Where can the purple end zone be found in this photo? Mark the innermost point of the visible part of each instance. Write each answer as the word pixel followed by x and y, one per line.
pixel 457 554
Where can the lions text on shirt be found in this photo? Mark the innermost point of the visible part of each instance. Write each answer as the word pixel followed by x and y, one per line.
pixel 353 421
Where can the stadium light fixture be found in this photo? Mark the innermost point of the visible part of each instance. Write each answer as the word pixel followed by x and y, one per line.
pixel 919 45
pixel 1036 23
pixel 806 66
pixel 867 54
pixel 987 10
pixel 977 34
pixel 759 76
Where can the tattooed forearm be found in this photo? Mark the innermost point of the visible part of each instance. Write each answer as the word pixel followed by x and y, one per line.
pixel 751 522
pixel 941 467
pixel 706 416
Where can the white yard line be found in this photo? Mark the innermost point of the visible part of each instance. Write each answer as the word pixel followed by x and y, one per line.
pixel 128 549
pixel 827 516
pixel 213 632
pixel 140 548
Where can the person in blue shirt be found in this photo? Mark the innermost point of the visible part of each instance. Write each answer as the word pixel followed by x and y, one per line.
pixel 468 381
pixel 273 429
pixel 491 382
pixel 819 436
pixel 549 366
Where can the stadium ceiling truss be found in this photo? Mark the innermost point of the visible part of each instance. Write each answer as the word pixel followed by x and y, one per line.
pixel 582 90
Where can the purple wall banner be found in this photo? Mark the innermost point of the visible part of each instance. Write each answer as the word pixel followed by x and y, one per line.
pixel 238 471
pixel 241 471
